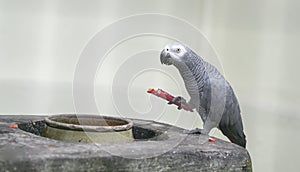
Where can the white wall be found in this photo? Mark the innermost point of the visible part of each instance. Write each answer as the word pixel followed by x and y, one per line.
pixel 257 43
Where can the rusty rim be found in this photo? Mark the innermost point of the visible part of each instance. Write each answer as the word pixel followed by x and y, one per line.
pixel 88 122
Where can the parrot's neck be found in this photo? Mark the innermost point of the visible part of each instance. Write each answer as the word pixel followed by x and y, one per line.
pixel 194 75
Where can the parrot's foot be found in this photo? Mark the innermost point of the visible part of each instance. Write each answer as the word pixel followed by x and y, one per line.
pixel 194 131
pixel 179 99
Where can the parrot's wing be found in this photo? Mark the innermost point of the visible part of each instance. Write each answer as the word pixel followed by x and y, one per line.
pixel 225 111
pixel 216 99
pixel 231 123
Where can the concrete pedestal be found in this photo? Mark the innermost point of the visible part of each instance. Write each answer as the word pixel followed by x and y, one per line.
pixel 157 147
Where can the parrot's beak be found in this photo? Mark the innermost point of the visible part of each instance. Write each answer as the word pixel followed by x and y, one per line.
pixel 165 58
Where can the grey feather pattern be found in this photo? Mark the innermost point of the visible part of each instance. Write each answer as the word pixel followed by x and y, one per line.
pixel 212 96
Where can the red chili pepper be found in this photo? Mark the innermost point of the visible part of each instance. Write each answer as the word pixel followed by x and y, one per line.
pixel 211 139
pixel 13 125
pixel 162 94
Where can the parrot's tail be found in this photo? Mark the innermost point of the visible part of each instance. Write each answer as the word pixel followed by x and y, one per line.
pixel 235 134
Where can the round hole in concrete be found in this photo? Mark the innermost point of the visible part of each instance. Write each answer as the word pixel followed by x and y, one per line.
pixel 83 125
pixel 88 128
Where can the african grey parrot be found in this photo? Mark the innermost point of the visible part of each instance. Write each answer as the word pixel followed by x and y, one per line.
pixel 210 93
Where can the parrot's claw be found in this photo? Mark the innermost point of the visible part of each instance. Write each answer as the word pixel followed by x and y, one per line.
pixel 179 99
pixel 194 131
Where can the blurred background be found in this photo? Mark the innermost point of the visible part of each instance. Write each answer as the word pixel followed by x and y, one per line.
pixel 256 42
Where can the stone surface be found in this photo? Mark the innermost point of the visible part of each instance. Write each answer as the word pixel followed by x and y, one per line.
pixel 158 147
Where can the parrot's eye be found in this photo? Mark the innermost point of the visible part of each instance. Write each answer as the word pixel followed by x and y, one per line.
pixel 178 50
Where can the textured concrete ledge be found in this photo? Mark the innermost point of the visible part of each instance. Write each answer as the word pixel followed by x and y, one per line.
pixel 158 147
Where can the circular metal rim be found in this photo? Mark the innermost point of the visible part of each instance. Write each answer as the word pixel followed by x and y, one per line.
pixel 76 127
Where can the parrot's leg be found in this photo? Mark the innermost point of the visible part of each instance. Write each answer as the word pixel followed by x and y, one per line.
pixel 179 99
pixel 193 131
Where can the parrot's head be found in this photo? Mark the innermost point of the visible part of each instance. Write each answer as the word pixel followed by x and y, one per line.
pixel 173 53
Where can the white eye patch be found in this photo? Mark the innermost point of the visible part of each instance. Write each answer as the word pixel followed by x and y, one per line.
pixel 178 49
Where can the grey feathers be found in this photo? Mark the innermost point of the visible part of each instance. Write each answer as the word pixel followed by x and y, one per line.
pixel 210 93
